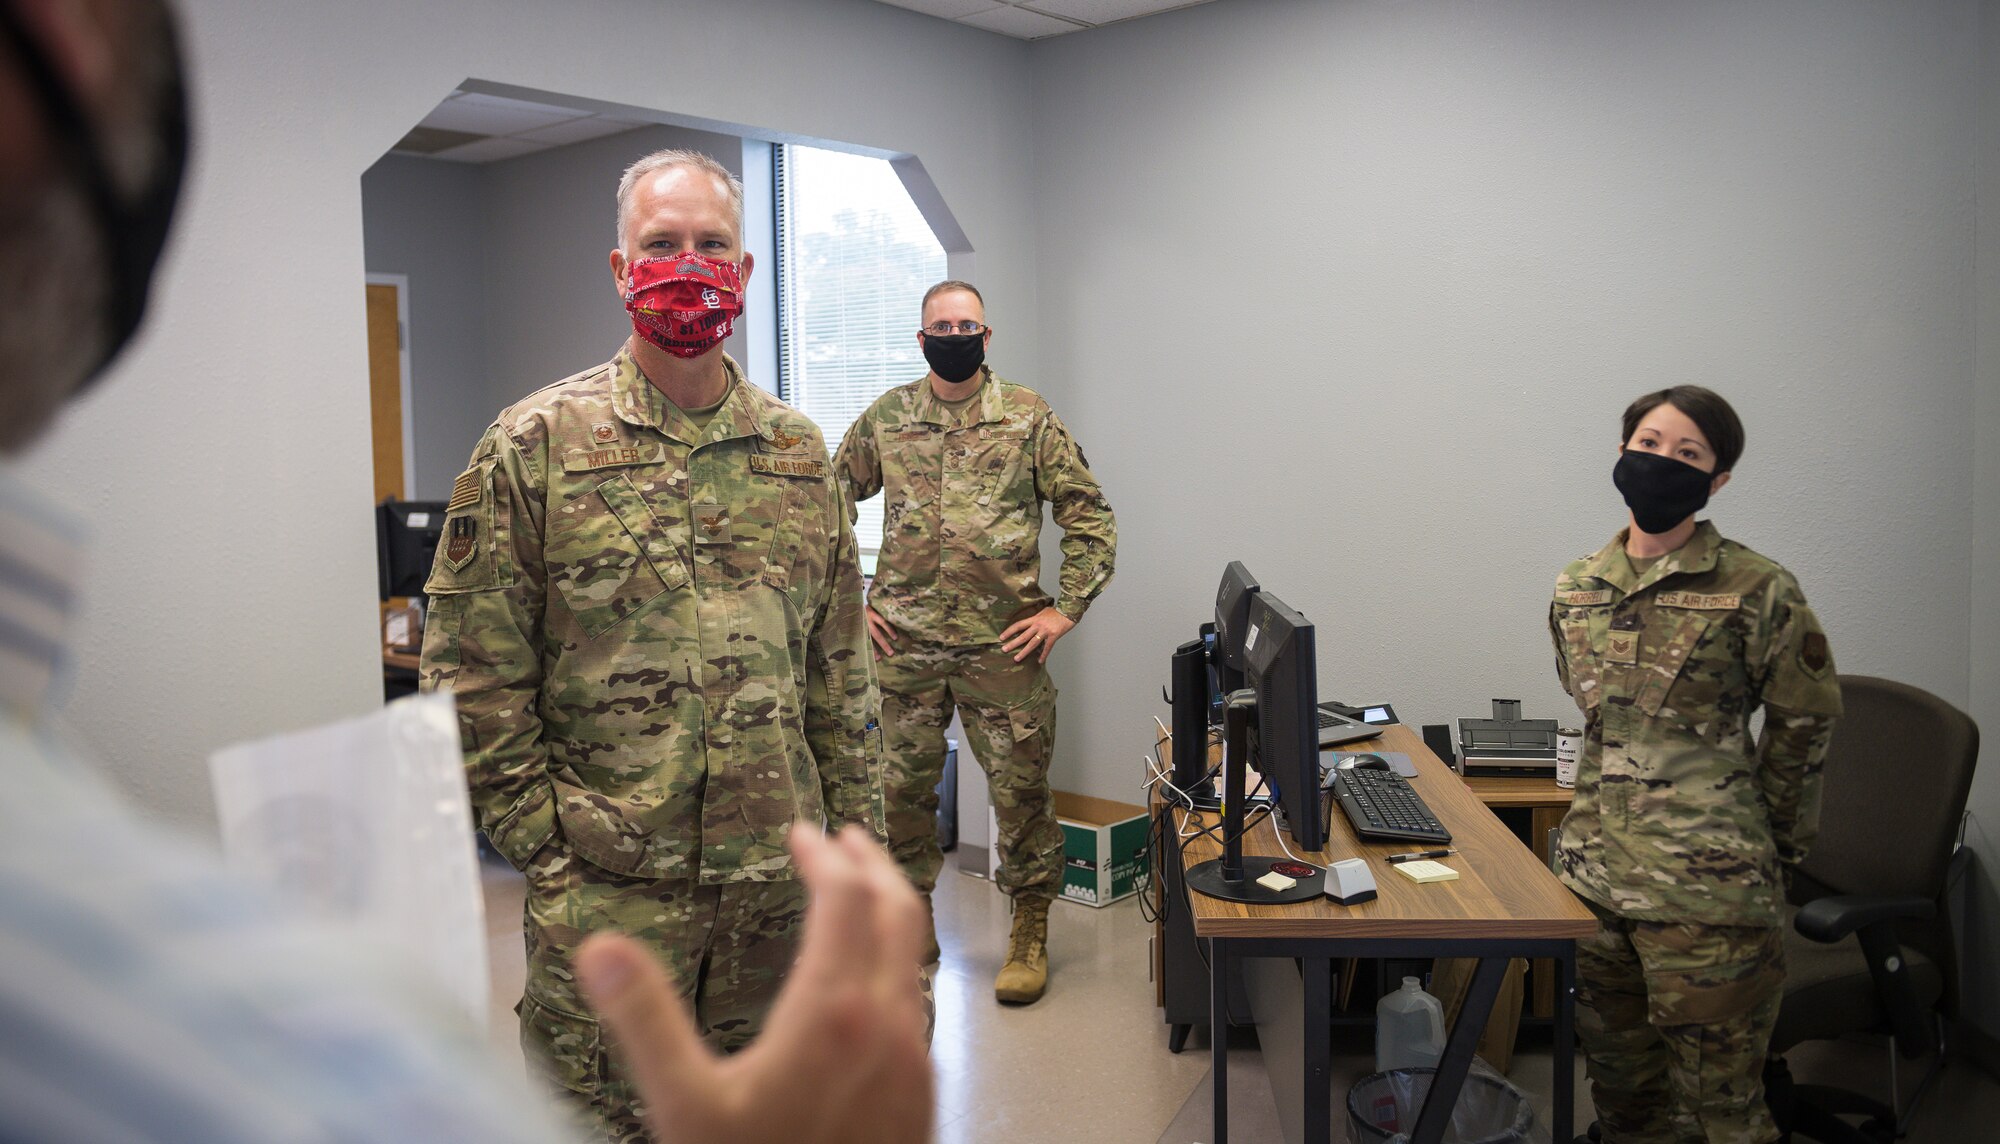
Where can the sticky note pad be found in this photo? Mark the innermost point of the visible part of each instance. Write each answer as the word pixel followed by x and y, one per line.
pixel 1276 881
pixel 1426 871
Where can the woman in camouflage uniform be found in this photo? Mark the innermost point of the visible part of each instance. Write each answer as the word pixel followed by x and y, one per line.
pixel 1683 830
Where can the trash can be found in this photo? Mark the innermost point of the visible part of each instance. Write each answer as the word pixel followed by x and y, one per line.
pixel 1382 1109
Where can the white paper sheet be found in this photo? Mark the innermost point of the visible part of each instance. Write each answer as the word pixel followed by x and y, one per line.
pixel 368 820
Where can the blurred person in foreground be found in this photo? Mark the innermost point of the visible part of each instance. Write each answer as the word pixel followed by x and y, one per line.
pixel 147 995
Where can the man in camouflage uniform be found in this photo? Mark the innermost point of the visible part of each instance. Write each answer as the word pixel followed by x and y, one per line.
pixel 1682 831
pixel 957 612
pixel 648 605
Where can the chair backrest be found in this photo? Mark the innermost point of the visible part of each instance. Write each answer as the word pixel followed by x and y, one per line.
pixel 1897 775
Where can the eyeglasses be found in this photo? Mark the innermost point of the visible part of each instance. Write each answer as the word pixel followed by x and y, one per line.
pixel 965 327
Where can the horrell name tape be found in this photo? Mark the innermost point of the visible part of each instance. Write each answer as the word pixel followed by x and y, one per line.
pixel 1599 596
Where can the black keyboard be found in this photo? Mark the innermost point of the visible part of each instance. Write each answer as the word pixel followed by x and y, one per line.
pixel 1381 804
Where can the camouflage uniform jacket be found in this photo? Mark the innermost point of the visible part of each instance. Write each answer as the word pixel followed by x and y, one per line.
pixel 1676 817
pixel 962 517
pixel 655 635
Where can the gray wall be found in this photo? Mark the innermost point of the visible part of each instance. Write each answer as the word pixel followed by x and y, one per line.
pixel 225 462
pixel 1983 932
pixel 1397 268
pixel 426 220
pixel 510 288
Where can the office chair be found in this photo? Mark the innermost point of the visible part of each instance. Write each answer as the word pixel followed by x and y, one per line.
pixel 1868 942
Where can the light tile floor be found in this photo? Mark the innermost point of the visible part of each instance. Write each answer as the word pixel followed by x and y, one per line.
pixel 1089 1062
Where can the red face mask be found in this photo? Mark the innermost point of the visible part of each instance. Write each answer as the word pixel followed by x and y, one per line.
pixel 685 303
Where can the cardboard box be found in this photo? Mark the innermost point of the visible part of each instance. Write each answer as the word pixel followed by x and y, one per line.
pixel 1104 848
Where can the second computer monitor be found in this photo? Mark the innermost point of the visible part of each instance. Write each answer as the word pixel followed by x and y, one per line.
pixel 1232 615
pixel 406 540
pixel 1282 668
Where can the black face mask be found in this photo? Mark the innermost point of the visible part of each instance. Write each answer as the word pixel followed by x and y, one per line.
pixel 955 357
pixel 132 228
pixel 1660 491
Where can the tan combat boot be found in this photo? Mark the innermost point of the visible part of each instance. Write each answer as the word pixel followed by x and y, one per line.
pixel 931 951
pixel 1026 974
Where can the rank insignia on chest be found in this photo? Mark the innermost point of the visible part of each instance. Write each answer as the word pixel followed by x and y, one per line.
pixel 604 432
pixel 711 524
pixel 1621 647
pixel 462 541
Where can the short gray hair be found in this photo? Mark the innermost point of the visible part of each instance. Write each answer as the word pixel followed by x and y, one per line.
pixel 672 157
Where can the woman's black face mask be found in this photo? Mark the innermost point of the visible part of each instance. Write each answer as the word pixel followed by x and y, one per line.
pixel 1660 491
pixel 131 227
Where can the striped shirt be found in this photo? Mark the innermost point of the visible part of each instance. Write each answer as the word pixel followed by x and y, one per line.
pixel 147 995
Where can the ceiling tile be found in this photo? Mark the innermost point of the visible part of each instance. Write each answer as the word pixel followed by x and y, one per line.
pixel 576 130
pixel 431 140
pixel 490 150
pixel 1020 22
pixel 949 9
pixel 1107 11
pixel 508 103
pixel 490 115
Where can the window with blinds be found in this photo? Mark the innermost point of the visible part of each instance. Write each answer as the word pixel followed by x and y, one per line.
pixel 854 259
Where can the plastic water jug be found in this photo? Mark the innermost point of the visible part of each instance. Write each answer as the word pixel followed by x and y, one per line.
pixel 1409 1029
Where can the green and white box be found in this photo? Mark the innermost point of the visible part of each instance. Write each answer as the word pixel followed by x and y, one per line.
pixel 1104 848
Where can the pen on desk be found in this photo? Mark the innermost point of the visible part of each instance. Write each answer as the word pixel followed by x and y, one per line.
pixel 1419 855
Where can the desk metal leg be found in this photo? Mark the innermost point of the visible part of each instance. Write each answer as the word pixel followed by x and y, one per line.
pixel 1318 973
pixel 1565 1048
pixel 1457 1060
pixel 1218 1036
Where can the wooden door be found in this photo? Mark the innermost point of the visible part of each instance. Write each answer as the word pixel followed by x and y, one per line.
pixel 385 405
pixel 385 389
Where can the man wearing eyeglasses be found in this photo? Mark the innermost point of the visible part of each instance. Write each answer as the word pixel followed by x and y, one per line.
pixel 958 614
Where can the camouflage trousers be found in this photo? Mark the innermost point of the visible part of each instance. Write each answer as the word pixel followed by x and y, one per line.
pixel 1009 712
pixel 1675 1020
pixel 726 947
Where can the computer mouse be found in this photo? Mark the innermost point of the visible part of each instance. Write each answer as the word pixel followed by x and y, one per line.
pixel 1364 763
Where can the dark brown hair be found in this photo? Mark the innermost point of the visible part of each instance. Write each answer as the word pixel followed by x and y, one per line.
pixel 1709 412
pixel 946 287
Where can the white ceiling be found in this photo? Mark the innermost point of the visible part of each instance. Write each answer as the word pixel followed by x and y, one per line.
pixel 469 127
pixel 1039 19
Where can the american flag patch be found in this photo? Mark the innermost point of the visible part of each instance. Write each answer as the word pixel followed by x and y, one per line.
pixel 464 491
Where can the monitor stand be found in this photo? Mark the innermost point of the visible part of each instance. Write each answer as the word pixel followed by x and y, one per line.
pixel 1233 877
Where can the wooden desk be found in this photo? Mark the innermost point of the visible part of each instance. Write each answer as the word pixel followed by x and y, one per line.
pixel 1504 904
pixel 1546 803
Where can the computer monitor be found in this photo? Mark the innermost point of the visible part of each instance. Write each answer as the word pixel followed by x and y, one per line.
pixel 1284 673
pixel 1197 706
pixel 1232 614
pixel 1276 646
pixel 406 540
